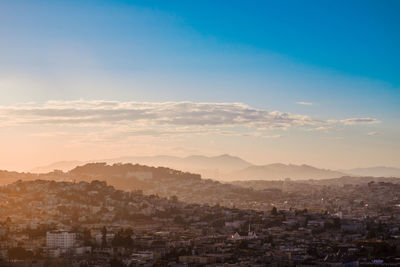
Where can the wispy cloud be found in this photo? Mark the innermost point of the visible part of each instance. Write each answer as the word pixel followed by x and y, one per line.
pixel 164 118
pixel 373 133
pixel 353 121
pixel 150 113
pixel 322 128
pixel 332 137
pixel 304 103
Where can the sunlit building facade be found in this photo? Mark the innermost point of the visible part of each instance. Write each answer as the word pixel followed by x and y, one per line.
pixel 60 239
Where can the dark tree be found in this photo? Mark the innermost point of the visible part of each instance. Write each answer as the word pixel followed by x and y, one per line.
pixel 274 211
pixel 174 199
pixel 87 237
pixel 104 237
pixel 19 253
pixel 116 263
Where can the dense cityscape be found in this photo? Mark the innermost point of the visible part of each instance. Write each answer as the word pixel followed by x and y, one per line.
pixel 297 223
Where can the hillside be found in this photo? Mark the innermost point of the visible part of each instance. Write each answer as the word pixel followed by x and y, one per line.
pixel 212 167
pixel 191 188
pixel 68 204
pixel 164 182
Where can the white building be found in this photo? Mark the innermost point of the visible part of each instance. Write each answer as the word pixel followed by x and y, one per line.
pixel 250 235
pixel 60 239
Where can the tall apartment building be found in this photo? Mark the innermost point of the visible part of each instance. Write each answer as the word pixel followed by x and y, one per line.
pixel 60 239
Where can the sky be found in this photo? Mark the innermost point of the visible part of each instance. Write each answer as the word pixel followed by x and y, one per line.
pixel 302 82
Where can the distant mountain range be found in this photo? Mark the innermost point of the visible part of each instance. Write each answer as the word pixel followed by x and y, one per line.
pixel 228 168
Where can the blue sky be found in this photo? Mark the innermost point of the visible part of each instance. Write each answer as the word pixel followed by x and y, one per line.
pixel 341 56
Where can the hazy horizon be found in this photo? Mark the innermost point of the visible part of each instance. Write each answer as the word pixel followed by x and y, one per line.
pixel 115 160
